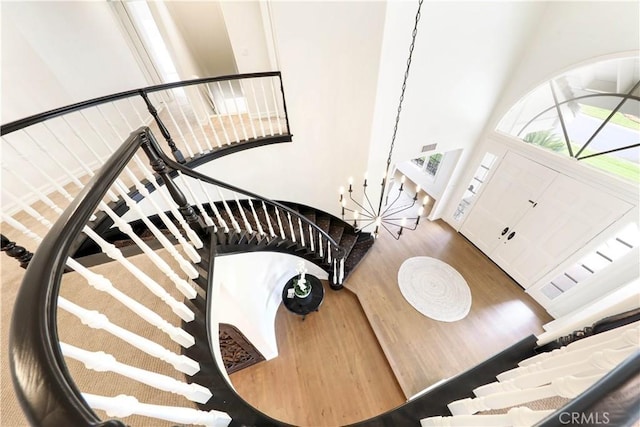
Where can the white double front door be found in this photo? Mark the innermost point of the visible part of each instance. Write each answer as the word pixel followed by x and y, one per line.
pixel 530 218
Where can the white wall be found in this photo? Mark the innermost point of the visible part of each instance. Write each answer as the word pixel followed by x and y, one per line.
pixel 568 34
pixel 58 53
pixel 55 54
pixel 246 32
pixel 202 27
pixel 248 291
pixel 329 58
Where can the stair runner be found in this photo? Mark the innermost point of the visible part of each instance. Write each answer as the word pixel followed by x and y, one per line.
pixel 355 244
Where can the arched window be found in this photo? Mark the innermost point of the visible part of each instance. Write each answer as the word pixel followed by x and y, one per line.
pixel 591 113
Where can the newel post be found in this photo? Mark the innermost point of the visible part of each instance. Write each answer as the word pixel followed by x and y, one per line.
pixel 177 154
pixel 15 251
pixel 160 167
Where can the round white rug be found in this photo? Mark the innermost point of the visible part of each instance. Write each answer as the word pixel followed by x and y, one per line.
pixel 434 288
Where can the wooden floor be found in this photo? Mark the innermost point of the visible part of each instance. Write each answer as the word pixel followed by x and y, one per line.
pixel 330 369
pixel 343 380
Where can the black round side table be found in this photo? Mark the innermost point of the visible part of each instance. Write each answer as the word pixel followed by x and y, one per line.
pixel 303 306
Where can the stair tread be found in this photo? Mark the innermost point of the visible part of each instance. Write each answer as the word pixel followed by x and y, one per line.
pixel 358 252
pixel 324 223
pixel 347 243
pixel 335 232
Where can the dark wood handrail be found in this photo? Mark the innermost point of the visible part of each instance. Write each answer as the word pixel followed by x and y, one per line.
pixel 41 117
pixel 199 176
pixel 44 387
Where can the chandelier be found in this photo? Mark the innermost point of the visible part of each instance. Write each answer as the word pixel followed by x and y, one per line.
pixel 389 216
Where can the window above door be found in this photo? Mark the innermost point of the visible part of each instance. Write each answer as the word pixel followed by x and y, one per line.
pixel 590 113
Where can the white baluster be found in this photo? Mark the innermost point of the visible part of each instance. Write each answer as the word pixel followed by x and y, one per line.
pixel 114 253
pixel 234 223
pixel 28 209
pixel 625 338
pixel 188 268
pixel 253 129
pixel 256 219
pixel 311 239
pixel 520 416
pixel 97 320
pixel 197 119
pixel 268 217
pixel 301 232
pixel 143 121
pixel 100 159
pixel 123 226
pixel 70 174
pixel 42 197
pixel 218 115
pixel 329 252
pixel 205 108
pixel 214 208
pixel 207 219
pixel 103 284
pixel 187 122
pixel 186 247
pixel 615 338
pixel 100 361
pixel 568 387
pixel 341 270
pixel 212 205
pixel 123 406
pixel 266 105
pixel 282 235
pixel 235 103
pixel 20 227
pixel 226 110
pixel 191 234
pixel 178 128
pixel 600 361
pixel 255 101
pixel 293 235
pixel 320 245
pixel 243 215
pixel 275 105
pixel 82 164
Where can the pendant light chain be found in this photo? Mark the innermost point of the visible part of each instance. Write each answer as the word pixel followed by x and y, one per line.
pixel 404 83
pixel 391 215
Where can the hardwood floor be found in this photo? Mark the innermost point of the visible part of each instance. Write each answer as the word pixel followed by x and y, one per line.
pixel 327 374
pixel 330 369
pixel 422 351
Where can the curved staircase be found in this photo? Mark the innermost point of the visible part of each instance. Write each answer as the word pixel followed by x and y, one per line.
pixel 195 219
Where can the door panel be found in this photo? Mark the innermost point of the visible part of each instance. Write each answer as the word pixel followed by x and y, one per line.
pixel 567 216
pixel 515 186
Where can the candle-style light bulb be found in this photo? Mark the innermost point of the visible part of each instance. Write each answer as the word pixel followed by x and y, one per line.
pixel 403 179
pixel 350 184
pixel 425 200
pixel 403 223
pixel 418 189
pixel 355 214
pixel 421 211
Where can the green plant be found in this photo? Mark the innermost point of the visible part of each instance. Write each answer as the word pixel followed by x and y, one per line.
pixel 545 139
